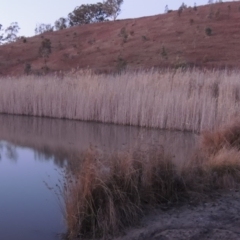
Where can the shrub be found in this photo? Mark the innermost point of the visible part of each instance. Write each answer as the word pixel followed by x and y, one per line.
pixel 27 68
pixel 208 31
pixel 45 49
pixel 42 28
pixel 163 53
pixel 123 34
pixel 121 64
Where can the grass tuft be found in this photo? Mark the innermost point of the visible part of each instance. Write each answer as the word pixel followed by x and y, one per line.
pixel 227 137
pixel 112 190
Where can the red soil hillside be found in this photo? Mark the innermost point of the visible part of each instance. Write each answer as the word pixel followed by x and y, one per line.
pixel 161 40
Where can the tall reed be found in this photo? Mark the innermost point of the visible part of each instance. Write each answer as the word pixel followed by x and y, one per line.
pixel 193 100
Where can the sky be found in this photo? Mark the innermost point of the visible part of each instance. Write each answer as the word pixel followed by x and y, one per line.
pixel 29 13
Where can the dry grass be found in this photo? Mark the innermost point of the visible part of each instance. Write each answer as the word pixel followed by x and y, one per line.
pixel 107 193
pixel 216 164
pixel 111 190
pixel 228 137
pixel 221 156
pixel 191 100
pixel 208 173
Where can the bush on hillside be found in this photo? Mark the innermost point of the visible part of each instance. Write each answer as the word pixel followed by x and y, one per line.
pixel 98 12
pixel 42 28
pixel 61 23
pixel 88 13
pixel 208 31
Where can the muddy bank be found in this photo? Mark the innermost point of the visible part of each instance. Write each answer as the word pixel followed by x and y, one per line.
pixel 215 219
pixel 218 218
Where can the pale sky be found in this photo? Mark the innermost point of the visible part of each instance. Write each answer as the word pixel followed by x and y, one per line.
pixel 28 13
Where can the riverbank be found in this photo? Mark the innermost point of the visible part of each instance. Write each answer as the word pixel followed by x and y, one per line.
pixel 216 218
pixel 106 194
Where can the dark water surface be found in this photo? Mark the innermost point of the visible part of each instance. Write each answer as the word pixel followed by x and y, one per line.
pixel 35 151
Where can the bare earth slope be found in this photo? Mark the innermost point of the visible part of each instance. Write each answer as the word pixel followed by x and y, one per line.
pixel 136 43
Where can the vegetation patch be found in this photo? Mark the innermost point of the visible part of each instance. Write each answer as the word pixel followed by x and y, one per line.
pixel 180 99
pixel 105 193
pixel 208 31
pixel 112 190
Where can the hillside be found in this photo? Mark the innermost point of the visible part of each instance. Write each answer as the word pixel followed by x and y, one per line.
pixel 160 40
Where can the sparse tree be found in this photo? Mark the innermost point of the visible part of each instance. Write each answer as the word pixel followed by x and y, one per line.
pixel 41 28
pixel 88 13
pixel 113 8
pixel 166 9
pixel 181 8
pixel 179 11
pixel 45 49
pixel 1 33
pixel 61 23
pixel 11 32
pixel 27 68
pixel 195 7
pixel 164 53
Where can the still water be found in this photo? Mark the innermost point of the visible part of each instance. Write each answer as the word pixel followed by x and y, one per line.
pixel 33 155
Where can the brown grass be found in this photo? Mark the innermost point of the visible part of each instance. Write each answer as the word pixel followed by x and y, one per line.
pixel 112 190
pixel 216 164
pixel 107 193
pixel 185 44
pixel 189 100
pixel 228 137
pixel 210 172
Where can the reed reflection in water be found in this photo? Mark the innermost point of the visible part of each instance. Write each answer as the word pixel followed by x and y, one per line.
pixel 64 139
pixel 34 153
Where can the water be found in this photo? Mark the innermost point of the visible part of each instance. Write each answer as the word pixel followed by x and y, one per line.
pixel 35 151
pixel 28 209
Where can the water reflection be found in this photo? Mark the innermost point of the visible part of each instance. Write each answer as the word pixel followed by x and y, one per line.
pixel 28 210
pixel 60 140
pixel 34 152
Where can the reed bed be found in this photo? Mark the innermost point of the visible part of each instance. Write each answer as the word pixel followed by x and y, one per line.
pixel 191 100
pixel 106 193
